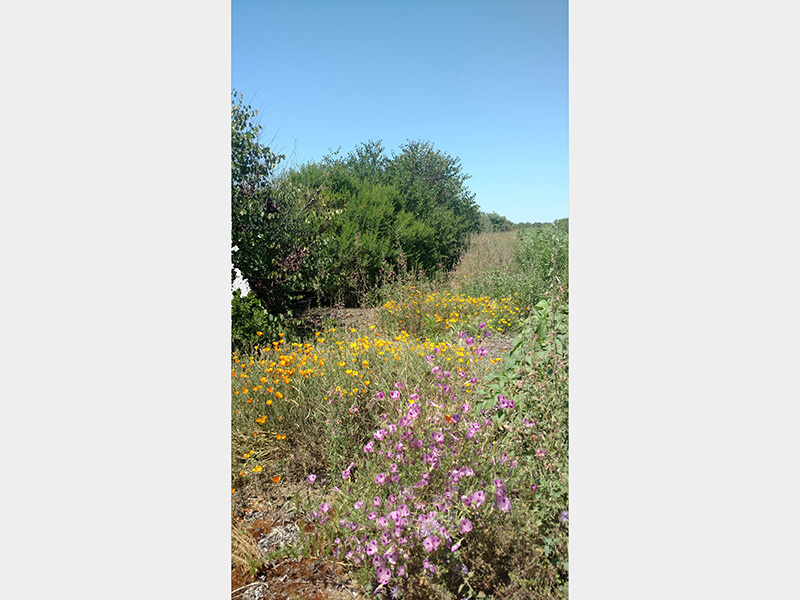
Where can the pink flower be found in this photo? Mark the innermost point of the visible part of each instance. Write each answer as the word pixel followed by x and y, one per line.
pixel 376 502
pixel 380 478
pixel 431 543
pixel 399 385
pixel 466 526
pixel 311 478
pixel 384 575
pixel 394 395
pixel 426 564
pixel 369 447
pixel 325 507
pixel 478 498
pixel 503 503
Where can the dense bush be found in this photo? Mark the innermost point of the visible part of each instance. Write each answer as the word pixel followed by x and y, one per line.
pixel 277 225
pixel 251 323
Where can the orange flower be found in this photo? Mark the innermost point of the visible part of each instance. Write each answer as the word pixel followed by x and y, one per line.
pixel 449 419
pixel 276 479
pixel 259 333
pixel 269 401
pixel 278 395
pixel 249 400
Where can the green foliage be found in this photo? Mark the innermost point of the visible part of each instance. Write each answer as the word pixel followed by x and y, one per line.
pixel 249 317
pixel 432 187
pixel 543 253
pixel 493 222
pixel 276 224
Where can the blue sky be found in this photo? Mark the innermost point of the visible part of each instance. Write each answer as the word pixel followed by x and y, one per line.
pixel 486 82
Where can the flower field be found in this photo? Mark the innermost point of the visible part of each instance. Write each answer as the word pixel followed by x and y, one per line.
pixel 417 458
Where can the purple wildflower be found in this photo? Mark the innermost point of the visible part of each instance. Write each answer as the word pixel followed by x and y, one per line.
pixel 384 575
pixel 431 543
pixel 311 478
pixel 466 526
pixel 478 498
pixel 503 503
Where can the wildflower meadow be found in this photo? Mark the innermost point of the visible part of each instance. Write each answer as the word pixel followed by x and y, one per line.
pixel 429 466
pixel 420 449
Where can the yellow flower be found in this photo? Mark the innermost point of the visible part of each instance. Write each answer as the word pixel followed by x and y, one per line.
pixel 257 469
pixel 278 395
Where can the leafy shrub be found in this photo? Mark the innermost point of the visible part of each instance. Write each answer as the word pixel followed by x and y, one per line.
pixel 250 321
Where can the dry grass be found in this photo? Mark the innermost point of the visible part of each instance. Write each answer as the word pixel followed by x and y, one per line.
pixel 488 253
pixel 244 547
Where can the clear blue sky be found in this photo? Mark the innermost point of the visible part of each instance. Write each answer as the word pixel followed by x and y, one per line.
pixel 486 82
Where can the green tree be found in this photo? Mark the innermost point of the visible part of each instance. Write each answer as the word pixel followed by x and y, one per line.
pixel 431 186
pixel 275 223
